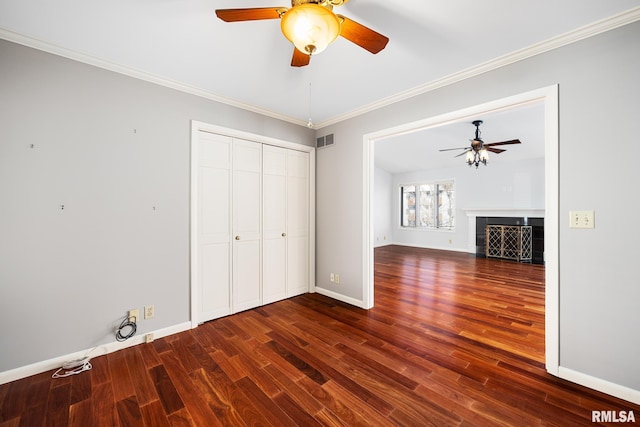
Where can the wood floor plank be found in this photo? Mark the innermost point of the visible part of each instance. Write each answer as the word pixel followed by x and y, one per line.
pixel 103 408
pixel 58 406
pixel 13 401
pixel 182 418
pixel 197 406
pixel 153 415
pixel 453 340
pixel 81 413
pixel 169 397
pixel 298 415
pixel 80 388
pixel 145 390
pixel 121 378
pixel 326 370
pixel 129 412
pixel 264 404
pixel 100 372
pixel 218 392
pixel 341 412
pixel 37 389
pixel 290 387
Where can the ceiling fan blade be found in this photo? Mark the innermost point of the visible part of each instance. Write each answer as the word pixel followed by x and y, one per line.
pixel 462 154
pixel 513 141
pixel 251 14
pixel 451 149
pixel 299 59
pixel 495 150
pixel 362 36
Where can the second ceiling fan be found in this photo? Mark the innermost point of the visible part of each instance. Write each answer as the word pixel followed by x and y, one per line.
pixel 477 152
pixel 311 25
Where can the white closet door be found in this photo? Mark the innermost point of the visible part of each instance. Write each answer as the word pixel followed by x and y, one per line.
pixel 247 174
pixel 214 226
pixel 274 232
pixel 297 222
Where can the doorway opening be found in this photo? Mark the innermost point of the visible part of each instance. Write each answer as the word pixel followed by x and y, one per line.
pixel 549 98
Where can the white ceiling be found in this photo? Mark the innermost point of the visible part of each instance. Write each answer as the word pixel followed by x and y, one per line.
pixel 420 150
pixel 183 44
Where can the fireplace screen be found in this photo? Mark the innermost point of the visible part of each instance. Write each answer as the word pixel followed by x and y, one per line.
pixel 509 241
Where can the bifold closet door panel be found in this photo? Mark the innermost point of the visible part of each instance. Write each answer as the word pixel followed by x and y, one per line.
pixel 297 222
pixel 274 226
pixel 214 226
pixel 247 227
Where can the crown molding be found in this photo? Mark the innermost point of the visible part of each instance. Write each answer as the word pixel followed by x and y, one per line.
pixel 138 74
pixel 590 30
pixel 581 33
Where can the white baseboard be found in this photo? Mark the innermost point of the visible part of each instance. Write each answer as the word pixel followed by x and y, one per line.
pixel 438 248
pixel 599 384
pixel 340 297
pixel 385 243
pixel 56 362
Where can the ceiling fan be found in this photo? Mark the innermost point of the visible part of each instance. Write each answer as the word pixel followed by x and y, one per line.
pixel 477 152
pixel 311 25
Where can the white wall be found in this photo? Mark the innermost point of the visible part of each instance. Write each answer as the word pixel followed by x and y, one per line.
pixel 382 216
pixel 516 185
pixel 115 152
pixel 598 110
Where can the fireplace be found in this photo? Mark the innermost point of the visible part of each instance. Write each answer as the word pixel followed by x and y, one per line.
pixel 479 218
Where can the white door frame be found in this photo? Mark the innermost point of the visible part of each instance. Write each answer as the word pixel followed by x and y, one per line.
pixel 196 127
pixel 547 95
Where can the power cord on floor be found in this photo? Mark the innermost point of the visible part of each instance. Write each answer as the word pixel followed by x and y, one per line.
pixel 73 367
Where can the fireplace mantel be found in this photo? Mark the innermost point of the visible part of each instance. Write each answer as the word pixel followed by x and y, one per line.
pixel 506 212
pixel 472 214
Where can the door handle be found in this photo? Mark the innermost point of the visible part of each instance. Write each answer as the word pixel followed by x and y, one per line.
pixel 237 237
pixel 284 234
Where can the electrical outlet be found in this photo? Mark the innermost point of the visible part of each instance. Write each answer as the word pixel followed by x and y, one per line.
pixel 148 312
pixel 337 279
pixel 332 277
pixel 135 314
pixel 148 338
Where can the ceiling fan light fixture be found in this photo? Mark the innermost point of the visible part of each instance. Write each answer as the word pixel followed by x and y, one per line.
pixel 310 27
pixel 484 155
pixel 470 157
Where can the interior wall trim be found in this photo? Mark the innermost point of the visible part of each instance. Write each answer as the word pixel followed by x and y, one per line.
pixel 549 96
pixel 595 383
pixel 138 74
pixel 576 35
pixel 343 298
pixel 100 350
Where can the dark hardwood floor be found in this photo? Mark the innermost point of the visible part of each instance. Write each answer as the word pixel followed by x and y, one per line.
pixel 453 340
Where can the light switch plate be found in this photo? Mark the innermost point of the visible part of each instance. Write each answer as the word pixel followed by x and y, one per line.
pixel 581 219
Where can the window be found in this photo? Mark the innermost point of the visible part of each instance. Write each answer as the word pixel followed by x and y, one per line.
pixel 429 205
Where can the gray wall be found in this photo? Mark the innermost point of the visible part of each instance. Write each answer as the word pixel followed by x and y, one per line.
pixel 599 109
pixel 383 209
pixel 68 276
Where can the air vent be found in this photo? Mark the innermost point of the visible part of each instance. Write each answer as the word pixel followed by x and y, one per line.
pixel 328 140
pixel 324 141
